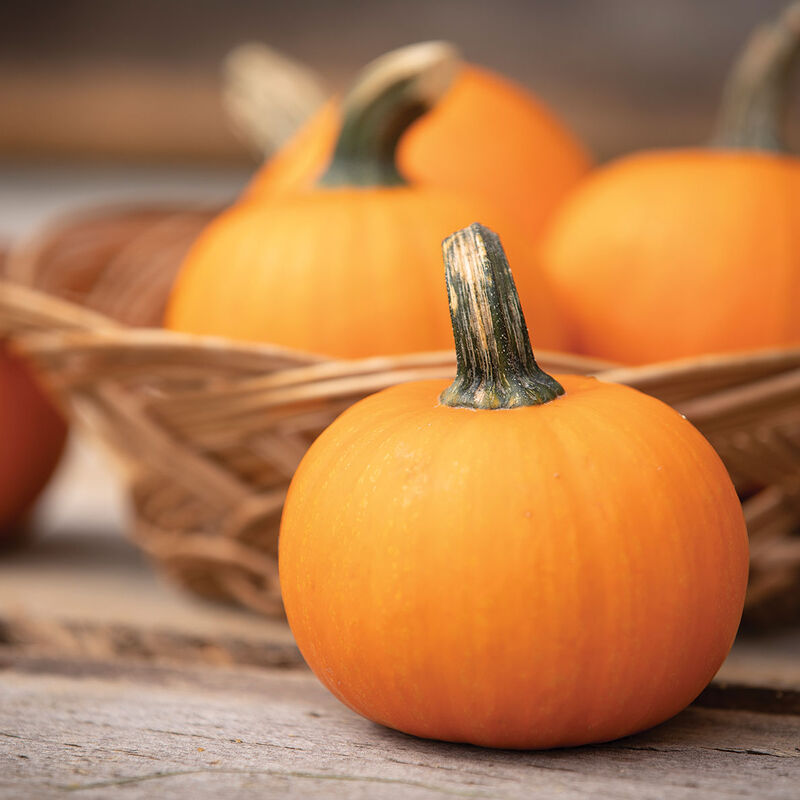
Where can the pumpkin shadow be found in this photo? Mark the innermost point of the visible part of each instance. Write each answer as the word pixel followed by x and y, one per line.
pixel 694 729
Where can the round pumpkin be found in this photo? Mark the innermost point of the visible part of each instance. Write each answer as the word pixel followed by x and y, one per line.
pixel 32 434
pixel 486 136
pixel 512 561
pixel 677 253
pixel 348 268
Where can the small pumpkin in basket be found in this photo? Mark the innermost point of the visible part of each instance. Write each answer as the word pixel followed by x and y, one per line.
pixel 348 268
pixel 677 253
pixel 32 436
pixel 513 560
pixel 486 136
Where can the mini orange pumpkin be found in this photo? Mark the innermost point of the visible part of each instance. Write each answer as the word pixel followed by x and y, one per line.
pixel 512 561
pixel 32 437
pixel 348 268
pixel 486 136
pixel 678 253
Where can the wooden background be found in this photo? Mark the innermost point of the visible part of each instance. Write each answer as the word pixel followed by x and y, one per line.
pixel 139 80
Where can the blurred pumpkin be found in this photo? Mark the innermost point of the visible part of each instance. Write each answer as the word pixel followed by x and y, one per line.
pixel 513 560
pixel 675 253
pixel 486 136
pixel 349 268
pixel 32 436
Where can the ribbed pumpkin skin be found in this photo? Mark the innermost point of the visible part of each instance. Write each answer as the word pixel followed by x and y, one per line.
pixel 344 272
pixel 680 253
pixel 487 136
pixel 529 578
pixel 32 436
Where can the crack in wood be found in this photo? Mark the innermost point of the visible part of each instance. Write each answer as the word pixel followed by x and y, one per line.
pixel 740 697
pixel 735 750
pixel 750 751
pixel 370 779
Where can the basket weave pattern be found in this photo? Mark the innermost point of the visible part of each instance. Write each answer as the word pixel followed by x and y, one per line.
pixel 210 431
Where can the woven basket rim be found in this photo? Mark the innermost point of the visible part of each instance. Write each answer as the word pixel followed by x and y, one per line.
pixel 96 331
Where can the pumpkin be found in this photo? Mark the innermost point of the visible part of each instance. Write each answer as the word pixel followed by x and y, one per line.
pixel 486 136
pixel 515 560
pixel 348 268
pixel 32 435
pixel 677 253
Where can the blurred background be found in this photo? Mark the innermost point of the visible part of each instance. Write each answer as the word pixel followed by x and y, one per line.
pixel 121 101
pixel 114 98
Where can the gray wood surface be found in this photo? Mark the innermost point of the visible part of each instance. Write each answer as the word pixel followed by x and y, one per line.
pixel 81 728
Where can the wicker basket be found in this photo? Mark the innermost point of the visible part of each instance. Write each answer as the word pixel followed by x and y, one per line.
pixel 210 431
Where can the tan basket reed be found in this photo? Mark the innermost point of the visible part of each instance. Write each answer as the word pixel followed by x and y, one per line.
pixel 210 431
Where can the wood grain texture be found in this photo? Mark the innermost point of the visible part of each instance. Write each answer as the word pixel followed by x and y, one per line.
pixel 88 728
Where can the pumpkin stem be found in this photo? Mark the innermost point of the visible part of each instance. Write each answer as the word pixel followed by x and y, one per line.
pixel 495 363
pixel 756 93
pixel 392 92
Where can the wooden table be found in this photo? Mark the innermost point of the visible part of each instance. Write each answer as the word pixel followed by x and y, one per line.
pixel 111 679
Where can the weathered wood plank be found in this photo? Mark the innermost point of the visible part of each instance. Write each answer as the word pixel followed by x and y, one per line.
pixel 87 728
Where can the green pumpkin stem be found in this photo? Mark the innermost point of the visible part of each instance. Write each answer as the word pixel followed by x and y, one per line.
pixel 495 363
pixel 757 91
pixel 392 92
